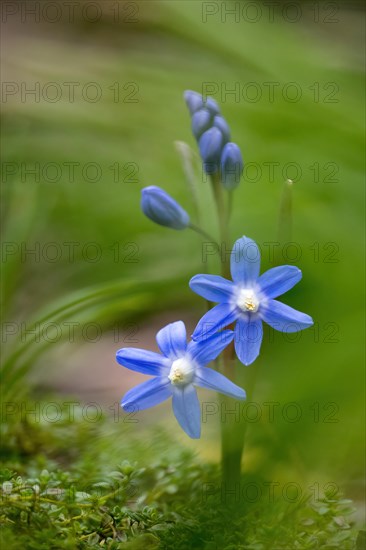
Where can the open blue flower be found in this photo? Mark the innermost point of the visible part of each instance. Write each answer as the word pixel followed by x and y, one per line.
pixel 177 370
pixel 248 300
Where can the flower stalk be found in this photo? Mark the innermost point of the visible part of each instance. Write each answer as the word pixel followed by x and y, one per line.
pixel 232 425
pixel 230 333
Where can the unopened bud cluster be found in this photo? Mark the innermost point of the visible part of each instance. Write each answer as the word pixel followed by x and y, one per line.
pixel 219 155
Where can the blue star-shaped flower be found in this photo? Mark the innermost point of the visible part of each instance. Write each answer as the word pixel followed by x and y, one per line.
pixel 177 370
pixel 248 300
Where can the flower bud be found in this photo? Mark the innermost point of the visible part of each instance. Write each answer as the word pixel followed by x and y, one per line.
pixel 210 145
pixel 212 106
pixel 201 121
pixel 231 166
pixel 223 126
pixel 194 101
pixel 161 208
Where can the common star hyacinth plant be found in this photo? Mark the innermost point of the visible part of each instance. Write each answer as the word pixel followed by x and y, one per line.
pixel 177 370
pixel 248 300
pixel 243 302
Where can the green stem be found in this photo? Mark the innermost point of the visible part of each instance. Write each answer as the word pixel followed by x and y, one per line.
pixel 223 219
pixel 232 441
pixel 232 428
pixel 204 234
pixel 186 153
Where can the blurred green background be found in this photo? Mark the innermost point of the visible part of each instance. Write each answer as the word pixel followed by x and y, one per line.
pixel 151 52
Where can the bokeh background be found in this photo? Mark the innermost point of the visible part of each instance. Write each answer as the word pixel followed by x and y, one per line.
pixel 297 112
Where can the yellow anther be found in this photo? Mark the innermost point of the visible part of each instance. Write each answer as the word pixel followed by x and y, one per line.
pixel 250 305
pixel 247 300
pixel 176 377
pixel 181 371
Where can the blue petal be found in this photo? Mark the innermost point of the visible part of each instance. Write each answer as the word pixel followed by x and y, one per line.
pixel 245 261
pixel 208 349
pixel 284 318
pixel 148 394
pixel 212 380
pixel 248 338
pixel 216 319
pixel 141 360
pixel 172 340
pixel 187 410
pixel 279 280
pixel 212 287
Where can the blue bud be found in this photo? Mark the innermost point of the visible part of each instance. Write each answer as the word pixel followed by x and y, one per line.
pixel 210 144
pixel 193 100
pixel 231 166
pixel 223 126
pixel 161 208
pixel 201 121
pixel 212 106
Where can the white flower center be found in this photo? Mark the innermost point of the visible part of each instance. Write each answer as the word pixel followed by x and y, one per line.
pixel 181 372
pixel 247 300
